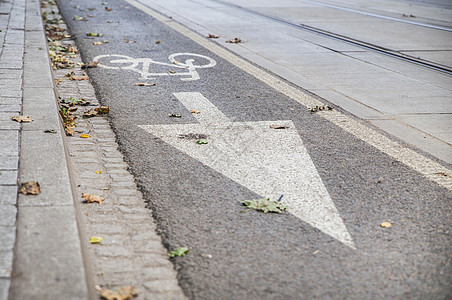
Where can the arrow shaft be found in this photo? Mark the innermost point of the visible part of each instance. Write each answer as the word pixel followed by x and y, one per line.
pixel 210 114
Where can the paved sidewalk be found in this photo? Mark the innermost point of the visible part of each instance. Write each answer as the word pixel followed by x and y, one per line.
pixel 44 239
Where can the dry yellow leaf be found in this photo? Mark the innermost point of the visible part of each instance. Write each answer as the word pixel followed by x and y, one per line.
pixel 84 135
pixel 30 187
pixel 195 112
pixel 385 224
pixel 22 119
pixel 122 293
pixel 99 172
pixel 90 198
pixel 96 240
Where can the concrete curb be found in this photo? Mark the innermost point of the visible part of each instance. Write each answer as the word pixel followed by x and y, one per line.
pixel 48 261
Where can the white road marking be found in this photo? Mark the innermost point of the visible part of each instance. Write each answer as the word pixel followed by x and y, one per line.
pixel 143 65
pixel 269 162
pixel 425 166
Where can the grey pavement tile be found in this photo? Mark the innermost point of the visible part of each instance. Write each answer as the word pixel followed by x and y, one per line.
pixel 44 162
pixel 37 95
pixel 9 143
pixel 14 36
pixel 43 114
pixel 7 218
pixel 4 288
pixel 10 74
pixel 8 194
pixel 48 258
pixel 8 177
pixel 7 236
pixel 9 162
pixel 10 100
pixel 12 108
pixel 10 92
pixel 6 262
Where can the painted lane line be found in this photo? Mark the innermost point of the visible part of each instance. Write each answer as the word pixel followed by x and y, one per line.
pixel 425 166
pixel 267 161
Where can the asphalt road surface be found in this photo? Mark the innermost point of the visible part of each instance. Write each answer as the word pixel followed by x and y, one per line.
pixel 339 189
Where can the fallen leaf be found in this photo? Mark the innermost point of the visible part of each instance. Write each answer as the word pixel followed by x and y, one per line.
pixel 266 205
pixel 30 187
pixel 274 126
pixel 212 36
pixel 172 72
pixel 129 41
pixel 180 251
pixel 202 142
pixel 174 116
pixel 122 293
pixel 84 135
pixel 234 41
pixel 79 18
pixel 317 108
pixel 206 255
pixel 385 225
pixel 103 110
pixel 195 112
pixel 96 240
pixel 144 84
pixel 22 119
pixel 50 131
pixel 108 9
pixel 91 64
pixel 79 78
pixel 90 16
pixel 94 34
pixel 91 198
pixel 158 42
pixel 99 172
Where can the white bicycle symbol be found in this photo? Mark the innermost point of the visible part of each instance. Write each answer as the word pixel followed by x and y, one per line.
pixel 143 65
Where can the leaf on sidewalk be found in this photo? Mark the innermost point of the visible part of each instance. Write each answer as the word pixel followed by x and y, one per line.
pixel 22 119
pixel 122 293
pixel 179 251
pixel 84 135
pixel 266 205
pixel 212 36
pixel 144 84
pixel 91 198
pixel 108 9
pixel 129 41
pixel 196 112
pixel 96 240
pixel 318 108
pixel 234 41
pixel 275 126
pixel 30 187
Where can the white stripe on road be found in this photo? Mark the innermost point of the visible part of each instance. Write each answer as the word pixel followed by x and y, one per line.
pixel 269 162
pixel 425 166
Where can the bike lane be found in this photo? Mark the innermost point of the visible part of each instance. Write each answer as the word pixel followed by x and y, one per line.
pixel 326 246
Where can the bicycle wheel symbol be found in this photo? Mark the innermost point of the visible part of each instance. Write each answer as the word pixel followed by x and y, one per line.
pixel 187 61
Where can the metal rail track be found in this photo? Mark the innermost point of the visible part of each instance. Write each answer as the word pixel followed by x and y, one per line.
pixel 362 44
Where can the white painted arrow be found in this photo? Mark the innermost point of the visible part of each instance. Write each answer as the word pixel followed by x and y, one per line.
pixel 269 162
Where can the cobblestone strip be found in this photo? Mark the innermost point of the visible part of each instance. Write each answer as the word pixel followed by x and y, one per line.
pixel 131 253
pixel 12 22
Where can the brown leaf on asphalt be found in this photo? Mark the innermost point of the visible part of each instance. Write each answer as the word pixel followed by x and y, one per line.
pixel 234 41
pixel 91 64
pixel 108 9
pixel 122 293
pixel 129 41
pixel 91 198
pixel 212 36
pixel 275 126
pixel 196 112
pixel 158 42
pixel 22 119
pixel 30 187
pixel 144 84
pixel 318 108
